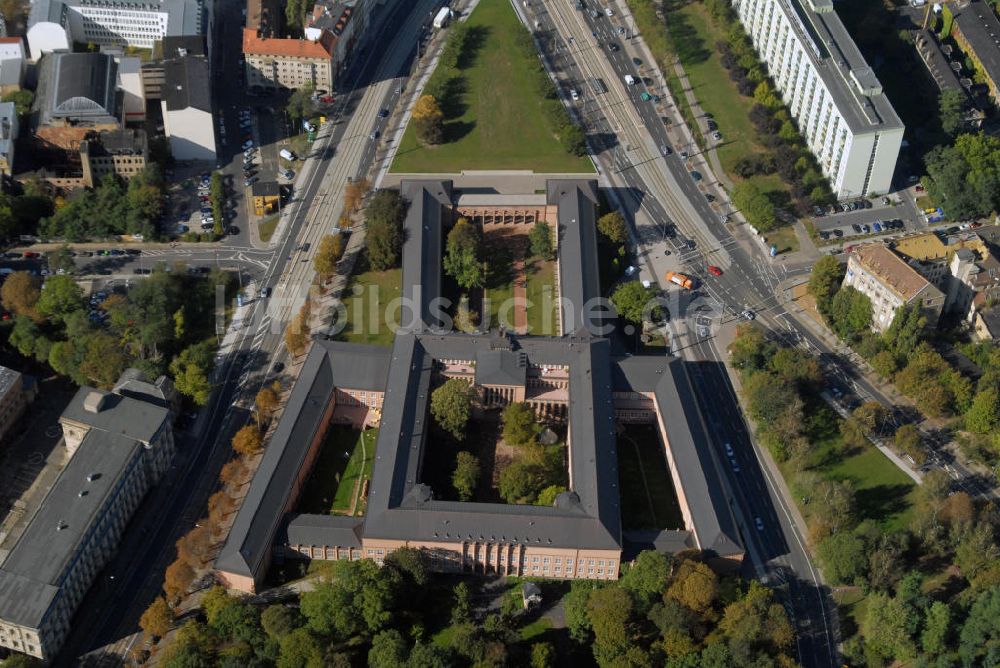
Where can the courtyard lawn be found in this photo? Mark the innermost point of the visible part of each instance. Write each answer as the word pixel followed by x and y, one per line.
pixel 345 461
pixel 366 318
pixel 501 304
pixel 500 124
pixel 359 469
pixel 648 497
pixel 543 312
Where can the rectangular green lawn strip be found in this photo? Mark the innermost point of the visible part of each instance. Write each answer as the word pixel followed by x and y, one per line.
pixel 541 275
pixel 640 453
pixel 267 227
pixel 501 126
pixel 358 466
pixel 500 300
pixel 340 455
pixel 366 321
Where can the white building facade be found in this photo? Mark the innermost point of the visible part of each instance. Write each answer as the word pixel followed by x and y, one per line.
pixel 834 97
pixel 54 25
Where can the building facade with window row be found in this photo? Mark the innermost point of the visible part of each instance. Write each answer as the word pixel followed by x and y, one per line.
pixel 834 96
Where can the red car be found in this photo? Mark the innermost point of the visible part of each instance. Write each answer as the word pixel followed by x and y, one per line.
pixel 326 99
pixel 29 254
pixel 714 271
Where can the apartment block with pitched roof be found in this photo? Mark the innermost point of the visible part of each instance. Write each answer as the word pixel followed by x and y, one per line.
pixel 889 282
pixel 274 61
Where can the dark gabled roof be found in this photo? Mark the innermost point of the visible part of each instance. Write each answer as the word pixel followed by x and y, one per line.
pixel 63 523
pixel 423 231
pixel 186 84
pixel 322 530
pixel 358 366
pixel 579 271
pixel 714 527
pixel 136 419
pixel 981 28
pixel 501 367
pixel 330 364
pixel 403 424
pixel 670 541
pixel 400 507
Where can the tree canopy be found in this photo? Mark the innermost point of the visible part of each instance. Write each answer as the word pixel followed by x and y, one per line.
pixel 613 227
pixel 520 427
pixel 462 260
pixel 634 302
pixel 384 236
pixel 451 406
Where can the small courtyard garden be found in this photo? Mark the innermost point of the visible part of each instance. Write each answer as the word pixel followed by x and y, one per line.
pixel 337 482
pixel 499 456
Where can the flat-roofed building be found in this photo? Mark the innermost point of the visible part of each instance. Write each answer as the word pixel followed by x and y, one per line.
pixel 118 447
pixel 834 96
pixel 53 25
pixel 889 283
pixel 123 153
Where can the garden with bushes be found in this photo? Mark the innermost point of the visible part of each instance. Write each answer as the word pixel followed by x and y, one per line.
pixel 502 456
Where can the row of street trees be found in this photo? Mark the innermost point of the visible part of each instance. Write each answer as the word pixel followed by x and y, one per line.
pixel 788 154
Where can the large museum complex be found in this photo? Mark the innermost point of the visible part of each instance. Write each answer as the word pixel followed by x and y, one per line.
pixel 577 380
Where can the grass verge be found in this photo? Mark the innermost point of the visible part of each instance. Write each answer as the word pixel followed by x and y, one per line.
pixel 267 226
pixel 369 296
pixel 883 493
pixel 494 98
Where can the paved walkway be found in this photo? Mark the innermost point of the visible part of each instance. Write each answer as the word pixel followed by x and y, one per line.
pixel 520 298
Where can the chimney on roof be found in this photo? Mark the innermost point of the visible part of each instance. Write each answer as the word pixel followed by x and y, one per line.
pixel 95 401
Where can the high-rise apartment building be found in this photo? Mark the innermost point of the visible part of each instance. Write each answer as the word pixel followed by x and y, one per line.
pixel 834 96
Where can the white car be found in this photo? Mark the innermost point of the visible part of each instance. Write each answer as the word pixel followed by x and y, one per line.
pixel 608 11
pixel 573 94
